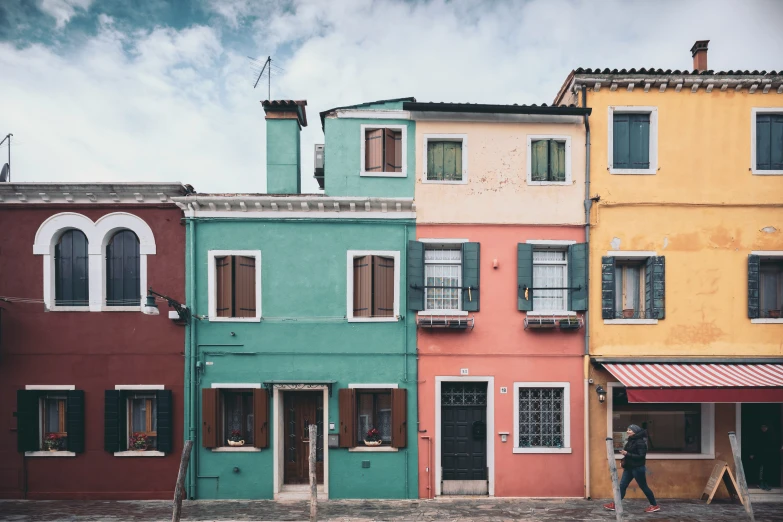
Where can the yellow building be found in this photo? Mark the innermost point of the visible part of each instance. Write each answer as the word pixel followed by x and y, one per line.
pixel 686 269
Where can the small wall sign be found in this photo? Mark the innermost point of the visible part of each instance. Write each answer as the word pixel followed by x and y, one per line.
pixel 463 371
pixel 503 389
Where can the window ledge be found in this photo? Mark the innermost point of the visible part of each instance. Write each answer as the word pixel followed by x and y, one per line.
pixel 443 312
pixel 49 454
pixel 544 183
pixel 106 308
pixel 674 456
pixel 236 449
pixel 767 321
pixel 534 313
pixel 373 449
pixel 463 181
pixel 767 172
pixel 139 453
pixel 373 319
pixel 215 319
pixel 630 321
pixel 638 172
pixel 366 174
pixel 542 450
pixel 69 309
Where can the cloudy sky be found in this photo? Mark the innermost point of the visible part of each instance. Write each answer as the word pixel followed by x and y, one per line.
pixel 162 90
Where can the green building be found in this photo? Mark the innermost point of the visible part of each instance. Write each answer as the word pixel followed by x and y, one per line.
pixel 299 318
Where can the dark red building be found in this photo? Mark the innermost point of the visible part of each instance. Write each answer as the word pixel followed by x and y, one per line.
pixel 90 388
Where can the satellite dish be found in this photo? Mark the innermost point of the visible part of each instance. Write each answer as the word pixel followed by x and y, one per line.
pixel 5 173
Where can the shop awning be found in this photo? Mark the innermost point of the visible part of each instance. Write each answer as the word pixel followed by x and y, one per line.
pixel 700 382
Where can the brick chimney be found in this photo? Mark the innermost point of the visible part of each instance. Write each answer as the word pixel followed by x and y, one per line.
pixel 699 52
pixel 284 122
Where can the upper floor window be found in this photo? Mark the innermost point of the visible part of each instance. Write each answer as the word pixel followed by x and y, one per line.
pixel 633 287
pixel 550 270
pixel 71 266
pixel 549 160
pixel 443 279
pixel 234 285
pixel 551 277
pixel 633 140
pixel 383 150
pixel 444 276
pixel 373 285
pixel 765 287
pixel 123 282
pixel 445 158
pixel 768 147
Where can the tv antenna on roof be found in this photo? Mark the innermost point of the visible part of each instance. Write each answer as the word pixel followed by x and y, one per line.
pixel 5 173
pixel 266 67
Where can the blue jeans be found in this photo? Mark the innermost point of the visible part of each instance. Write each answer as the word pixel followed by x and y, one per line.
pixel 640 474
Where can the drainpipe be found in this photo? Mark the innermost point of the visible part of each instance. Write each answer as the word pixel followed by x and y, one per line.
pixel 588 206
pixel 190 362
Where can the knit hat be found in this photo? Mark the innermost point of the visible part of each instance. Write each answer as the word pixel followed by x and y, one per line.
pixel 634 428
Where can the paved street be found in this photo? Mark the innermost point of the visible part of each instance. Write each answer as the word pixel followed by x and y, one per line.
pixel 363 510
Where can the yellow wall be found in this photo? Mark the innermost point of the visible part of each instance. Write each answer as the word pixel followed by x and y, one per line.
pixel 497 189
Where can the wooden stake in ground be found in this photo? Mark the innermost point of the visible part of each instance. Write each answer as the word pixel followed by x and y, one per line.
pixel 740 473
pixel 618 502
pixel 178 490
pixel 313 481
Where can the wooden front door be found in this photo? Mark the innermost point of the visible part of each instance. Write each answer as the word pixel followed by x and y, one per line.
pixel 464 438
pixel 301 410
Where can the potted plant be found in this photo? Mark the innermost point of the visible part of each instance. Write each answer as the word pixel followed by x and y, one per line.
pixel 138 442
pixel 236 438
pixel 53 442
pixel 628 313
pixel 373 438
pixel 774 314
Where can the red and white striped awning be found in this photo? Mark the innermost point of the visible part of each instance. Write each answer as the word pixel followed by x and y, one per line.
pixel 700 382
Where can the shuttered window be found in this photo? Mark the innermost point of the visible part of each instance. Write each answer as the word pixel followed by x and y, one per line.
pixel 383 150
pixel 548 160
pixel 771 288
pixel 71 286
pixel 123 284
pixel 137 420
pixel 631 140
pixel 361 410
pixel 234 415
pixel 373 286
pixel 50 420
pixel 769 142
pixel 235 278
pixel 444 160
pixel 633 289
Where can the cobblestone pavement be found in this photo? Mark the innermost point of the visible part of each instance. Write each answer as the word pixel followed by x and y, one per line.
pixel 365 510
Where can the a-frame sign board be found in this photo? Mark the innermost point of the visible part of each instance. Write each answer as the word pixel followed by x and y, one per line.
pixel 721 472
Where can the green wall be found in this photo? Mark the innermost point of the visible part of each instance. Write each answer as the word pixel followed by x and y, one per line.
pixel 283 174
pixel 303 336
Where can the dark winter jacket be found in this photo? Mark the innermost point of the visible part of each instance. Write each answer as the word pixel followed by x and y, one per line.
pixel 637 450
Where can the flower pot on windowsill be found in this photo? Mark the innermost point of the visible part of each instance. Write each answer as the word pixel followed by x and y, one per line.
pixel 139 448
pixel 628 313
pixel 373 442
pixel 236 442
pixel 774 314
pixel 53 449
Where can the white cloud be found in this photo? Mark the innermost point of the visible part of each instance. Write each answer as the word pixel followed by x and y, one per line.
pixel 63 10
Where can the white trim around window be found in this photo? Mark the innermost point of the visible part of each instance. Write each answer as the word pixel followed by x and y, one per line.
pixel 395 254
pixel 404 142
pixel 237 385
pixel 461 138
pixel 566 386
pixel 556 137
pixel 754 112
pixel 139 387
pixel 653 111
pixel 707 431
pixel 212 285
pixel 373 386
pixel 50 387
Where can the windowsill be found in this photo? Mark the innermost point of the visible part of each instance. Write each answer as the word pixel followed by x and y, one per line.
pixel 236 449
pixel 766 172
pixel 463 181
pixel 442 312
pixel 213 319
pixel 366 174
pixel 641 172
pixel 542 450
pixel 49 454
pixel 544 183
pixel 373 449
pixel 674 456
pixel 145 453
pixel 56 308
pixel 630 321
pixel 373 319
pixel 550 314
pixel 767 320
pixel 106 308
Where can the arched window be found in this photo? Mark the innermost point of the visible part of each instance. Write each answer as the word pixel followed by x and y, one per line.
pixel 123 284
pixel 71 270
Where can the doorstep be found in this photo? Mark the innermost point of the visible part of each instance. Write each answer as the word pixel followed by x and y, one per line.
pixel 759 495
pixel 298 492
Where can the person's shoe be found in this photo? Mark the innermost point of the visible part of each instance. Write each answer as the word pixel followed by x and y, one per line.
pixel 609 506
pixel 764 486
pixel 652 509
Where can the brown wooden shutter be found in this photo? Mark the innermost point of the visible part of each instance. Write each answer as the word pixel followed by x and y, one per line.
pixel 362 286
pixel 347 405
pixel 373 150
pixel 399 418
pixel 245 286
pixel 209 426
pixel 260 418
pixel 224 280
pixel 383 286
pixel 392 150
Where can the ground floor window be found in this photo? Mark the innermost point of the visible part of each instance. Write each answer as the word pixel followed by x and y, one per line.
pixel 142 421
pixel 374 412
pixel 542 417
pixel 54 432
pixel 237 413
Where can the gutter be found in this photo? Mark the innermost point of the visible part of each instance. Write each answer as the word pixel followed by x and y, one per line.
pixel 598 361
pixel 552 110
pixel 190 359
pixel 588 206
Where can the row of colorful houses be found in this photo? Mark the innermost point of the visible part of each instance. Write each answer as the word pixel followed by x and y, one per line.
pixel 481 294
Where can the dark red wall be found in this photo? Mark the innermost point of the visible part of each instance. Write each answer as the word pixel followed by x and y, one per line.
pixel 93 351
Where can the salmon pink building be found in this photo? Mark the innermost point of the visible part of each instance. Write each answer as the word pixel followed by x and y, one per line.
pixel 497 276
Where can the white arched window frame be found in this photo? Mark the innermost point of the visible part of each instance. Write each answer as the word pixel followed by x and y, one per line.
pixel 98 233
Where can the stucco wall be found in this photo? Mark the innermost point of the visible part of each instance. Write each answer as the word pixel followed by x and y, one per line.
pixel 497 190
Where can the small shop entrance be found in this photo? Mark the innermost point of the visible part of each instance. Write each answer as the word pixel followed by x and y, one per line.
pixel 761 451
pixel 464 438
pixel 300 409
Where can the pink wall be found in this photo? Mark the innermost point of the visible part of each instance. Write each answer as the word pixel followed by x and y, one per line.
pixel 500 347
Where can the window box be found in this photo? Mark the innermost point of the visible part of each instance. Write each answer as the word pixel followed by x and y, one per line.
pixel 363 409
pixel 445 159
pixel 457 322
pixel 538 322
pixel 234 282
pixel 373 286
pixel 548 160
pixel 570 323
pixel 383 151
pixel 633 140
pixel 766 147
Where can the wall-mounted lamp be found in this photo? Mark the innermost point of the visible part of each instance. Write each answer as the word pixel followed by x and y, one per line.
pixel 599 390
pixel 150 308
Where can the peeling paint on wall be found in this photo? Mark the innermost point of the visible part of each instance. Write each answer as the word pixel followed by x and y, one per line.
pixel 769 230
pixel 615 243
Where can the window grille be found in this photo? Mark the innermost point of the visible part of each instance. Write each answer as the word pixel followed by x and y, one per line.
pixel 541 417
pixel 464 394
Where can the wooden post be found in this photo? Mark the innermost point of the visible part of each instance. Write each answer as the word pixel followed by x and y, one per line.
pixel 313 481
pixel 178 491
pixel 740 473
pixel 618 502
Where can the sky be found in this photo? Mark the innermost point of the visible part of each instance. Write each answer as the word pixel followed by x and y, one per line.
pixel 162 90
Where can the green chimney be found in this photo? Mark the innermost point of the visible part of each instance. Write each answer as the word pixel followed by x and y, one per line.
pixel 284 122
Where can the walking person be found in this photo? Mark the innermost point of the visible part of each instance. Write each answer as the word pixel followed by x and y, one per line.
pixel 634 459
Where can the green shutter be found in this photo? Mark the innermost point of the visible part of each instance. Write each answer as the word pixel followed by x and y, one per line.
pixel 754 267
pixel 471 259
pixel 656 269
pixel 435 160
pixel 539 160
pixel 451 151
pixel 557 160
pixel 607 287
pixel 776 142
pixel 639 126
pixel 74 420
pixel 621 141
pixel 164 420
pixel 577 277
pixel 112 432
pixel 524 276
pixel 27 420
pixel 763 142
pixel 649 302
pixel 415 275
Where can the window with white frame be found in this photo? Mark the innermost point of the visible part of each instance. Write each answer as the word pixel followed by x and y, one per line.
pixel 767 141
pixel 633 140
pixel 445 158
pixel 542 417
pixel 373 285
pixel 383 150
pixel 54 427
pixel 142 407
pixel 443 278
pixel 234 280
pixel 550 270
pixel 548 160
